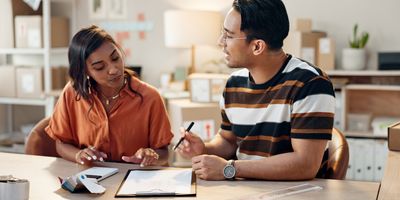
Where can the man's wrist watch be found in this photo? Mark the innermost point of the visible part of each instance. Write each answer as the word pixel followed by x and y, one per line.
pixel 229 170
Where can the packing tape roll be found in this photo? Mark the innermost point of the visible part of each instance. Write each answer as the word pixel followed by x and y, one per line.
pixel 13 188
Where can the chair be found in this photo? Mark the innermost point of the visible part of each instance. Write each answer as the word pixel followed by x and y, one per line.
pixel 338 156
pixel 39 143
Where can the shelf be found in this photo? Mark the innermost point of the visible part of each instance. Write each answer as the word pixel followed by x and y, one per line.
pixel 364 73
pixel 22 51
pixel 372 87
pixel 14 149
pixel 22 101
pixel 33 51
pixel 364 135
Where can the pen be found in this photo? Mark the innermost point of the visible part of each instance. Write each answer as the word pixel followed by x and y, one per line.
pixel 182 138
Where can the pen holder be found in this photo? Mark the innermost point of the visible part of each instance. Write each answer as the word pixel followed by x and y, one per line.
pixel 14 188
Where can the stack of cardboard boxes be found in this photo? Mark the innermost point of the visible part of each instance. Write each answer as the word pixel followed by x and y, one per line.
pixel 312 46
pixel 202 108
pixel 27 82
pixel 24 30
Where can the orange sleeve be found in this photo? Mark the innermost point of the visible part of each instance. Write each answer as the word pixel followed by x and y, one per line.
pixel 160 128
pixel 59 125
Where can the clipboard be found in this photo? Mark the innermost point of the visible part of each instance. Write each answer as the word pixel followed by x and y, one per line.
pixel 166 182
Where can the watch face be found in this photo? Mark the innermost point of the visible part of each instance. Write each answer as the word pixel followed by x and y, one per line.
pixel 229 171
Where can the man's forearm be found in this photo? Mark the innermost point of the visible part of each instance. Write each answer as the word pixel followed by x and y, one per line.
pixel 287 166
pixel 220 147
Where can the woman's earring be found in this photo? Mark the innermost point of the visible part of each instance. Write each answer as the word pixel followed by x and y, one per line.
pixel 89 85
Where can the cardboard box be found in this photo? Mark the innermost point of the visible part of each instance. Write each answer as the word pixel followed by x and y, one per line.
pixel 207 87
pixel 207 117
pixel 7 25
pixel 59 32
pixel 394 137
pixel 30 82
pixel 303 25
pixel 29 31
pixel 59 77
pixel 7 81
pixel 304 45
pixel 326 54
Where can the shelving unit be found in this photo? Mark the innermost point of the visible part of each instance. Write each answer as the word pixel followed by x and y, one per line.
pixel 376 93
pixel 47 54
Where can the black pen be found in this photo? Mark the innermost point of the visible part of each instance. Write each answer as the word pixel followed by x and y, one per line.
pixel 182 138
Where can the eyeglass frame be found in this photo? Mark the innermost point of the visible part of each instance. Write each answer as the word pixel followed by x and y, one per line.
pixel 224 36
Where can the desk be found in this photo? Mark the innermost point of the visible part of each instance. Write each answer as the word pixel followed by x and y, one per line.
pixel 42 174
pixel 391 179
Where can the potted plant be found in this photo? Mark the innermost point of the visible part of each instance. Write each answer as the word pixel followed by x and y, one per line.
pixel 354 57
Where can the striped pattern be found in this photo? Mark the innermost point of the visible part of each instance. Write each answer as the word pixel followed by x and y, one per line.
pixel 296 103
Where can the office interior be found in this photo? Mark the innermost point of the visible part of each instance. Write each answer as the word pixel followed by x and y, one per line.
pixel 188 68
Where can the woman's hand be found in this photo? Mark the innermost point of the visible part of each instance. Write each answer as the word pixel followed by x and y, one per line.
pixel 89 155
pixel 144 156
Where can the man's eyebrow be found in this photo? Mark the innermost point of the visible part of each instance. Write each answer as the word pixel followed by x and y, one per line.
pixel 112 53
pixel 228 31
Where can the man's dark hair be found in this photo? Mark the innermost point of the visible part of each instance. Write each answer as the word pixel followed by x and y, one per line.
pixel 264 19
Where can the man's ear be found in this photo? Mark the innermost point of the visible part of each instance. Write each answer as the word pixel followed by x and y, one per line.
pixel 259 46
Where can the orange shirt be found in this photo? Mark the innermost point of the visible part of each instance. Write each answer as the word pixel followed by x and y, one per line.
pixel 132 122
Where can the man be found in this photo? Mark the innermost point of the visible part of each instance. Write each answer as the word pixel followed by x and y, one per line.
pixel 277 113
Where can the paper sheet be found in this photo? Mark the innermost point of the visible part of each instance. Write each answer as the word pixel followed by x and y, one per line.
pixel 177 181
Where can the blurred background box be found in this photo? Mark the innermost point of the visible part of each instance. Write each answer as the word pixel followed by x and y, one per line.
pixel 6 21
pixel 59 77
pixel 207 117
pixel 180 73
pixel 7 81
pixel 304 45
pixel 206 87
pixel 326 54
pixel 380 125
pixel 30 82
pixel 303 24
pixel 29 32
pixel 394 137
pixel 359 121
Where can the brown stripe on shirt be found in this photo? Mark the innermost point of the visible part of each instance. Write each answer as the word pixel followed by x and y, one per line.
pixel 313 114
pixel 266 138
pixel 311 131
pixel 256 153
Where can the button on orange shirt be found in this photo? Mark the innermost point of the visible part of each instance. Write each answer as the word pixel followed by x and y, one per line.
pixel 132 123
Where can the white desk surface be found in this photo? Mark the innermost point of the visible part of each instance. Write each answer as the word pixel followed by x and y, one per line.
pixel 42 174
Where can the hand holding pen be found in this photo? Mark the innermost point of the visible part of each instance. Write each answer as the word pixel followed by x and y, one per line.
pixel 183 137
pixel 192 145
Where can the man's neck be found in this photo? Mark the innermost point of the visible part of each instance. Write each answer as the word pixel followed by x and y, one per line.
pixel 267 66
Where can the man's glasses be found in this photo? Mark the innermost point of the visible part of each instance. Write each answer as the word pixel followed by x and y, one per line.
pixel 224 36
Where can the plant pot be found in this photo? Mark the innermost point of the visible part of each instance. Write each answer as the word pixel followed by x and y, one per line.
pixel 353 59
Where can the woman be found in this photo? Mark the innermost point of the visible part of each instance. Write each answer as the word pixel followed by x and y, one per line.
pixel 104 112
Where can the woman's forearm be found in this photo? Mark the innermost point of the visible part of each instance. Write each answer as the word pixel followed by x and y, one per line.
pixel 67 151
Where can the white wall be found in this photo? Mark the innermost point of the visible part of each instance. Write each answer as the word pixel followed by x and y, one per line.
pixel 337 17
pixel 151 53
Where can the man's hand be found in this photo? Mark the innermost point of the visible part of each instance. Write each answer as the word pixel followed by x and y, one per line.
pixel 144 156
pixel 209 167
pixel 192 145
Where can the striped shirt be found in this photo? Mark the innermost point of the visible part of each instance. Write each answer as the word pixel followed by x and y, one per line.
pixel 298 102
